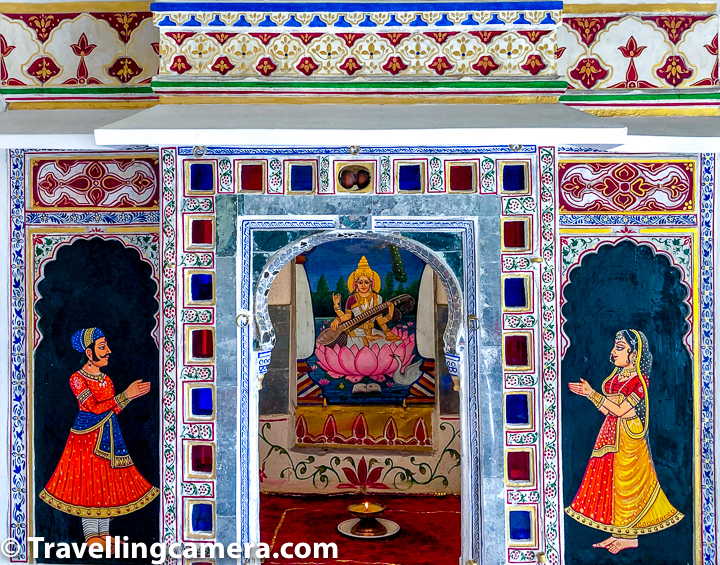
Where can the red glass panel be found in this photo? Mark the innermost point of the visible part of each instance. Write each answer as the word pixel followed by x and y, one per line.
pixel 514 233
pixel 201 232
pixel 516 350
pixel 252 177
pixel 461 178
pixel 518 465
pixel 201 458
pixel 202 344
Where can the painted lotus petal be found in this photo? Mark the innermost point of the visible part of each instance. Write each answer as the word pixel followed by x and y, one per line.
pixel 385 360
pixel 331 363
pixel 320 354
pixel 347 361
pixel 374 475
pixel 350 475
pixel 354 378
pixel 362 471
pixel 378 486
pixel 366 362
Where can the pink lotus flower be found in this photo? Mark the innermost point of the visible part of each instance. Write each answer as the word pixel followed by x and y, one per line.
pixel 354 363
pixel 323 382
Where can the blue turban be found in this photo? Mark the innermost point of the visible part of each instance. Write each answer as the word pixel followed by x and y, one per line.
pixel 82 339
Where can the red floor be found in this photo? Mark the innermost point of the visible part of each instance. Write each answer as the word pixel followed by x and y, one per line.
pixel 429 528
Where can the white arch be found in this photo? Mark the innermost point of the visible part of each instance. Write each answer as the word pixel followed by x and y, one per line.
pixel 266 333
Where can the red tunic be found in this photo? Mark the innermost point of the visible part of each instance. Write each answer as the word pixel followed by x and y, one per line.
pixel 84 483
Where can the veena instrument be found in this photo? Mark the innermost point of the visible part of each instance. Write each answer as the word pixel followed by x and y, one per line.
pixel 329 337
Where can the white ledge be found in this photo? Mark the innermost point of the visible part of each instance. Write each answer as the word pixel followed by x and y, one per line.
pixel 670 134
pixel 55 129
pixel 336 125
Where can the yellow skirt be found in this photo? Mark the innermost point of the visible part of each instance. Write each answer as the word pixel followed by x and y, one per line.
pixel 639 505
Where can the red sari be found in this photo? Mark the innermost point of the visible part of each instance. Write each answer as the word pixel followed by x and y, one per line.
pixel 92 481
pixel 620 493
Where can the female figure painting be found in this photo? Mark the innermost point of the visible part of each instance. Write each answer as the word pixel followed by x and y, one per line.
pixel 96 478
pixel 364 346
pixel 620 493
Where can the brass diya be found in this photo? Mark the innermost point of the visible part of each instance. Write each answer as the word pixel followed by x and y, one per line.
pixel 368 525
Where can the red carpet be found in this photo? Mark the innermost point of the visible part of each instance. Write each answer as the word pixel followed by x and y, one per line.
pixel 429 528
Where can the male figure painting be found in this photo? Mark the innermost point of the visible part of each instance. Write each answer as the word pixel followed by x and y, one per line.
pixel 620 493
pixel 96 478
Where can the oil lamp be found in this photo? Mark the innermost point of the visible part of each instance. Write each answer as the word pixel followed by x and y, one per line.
pixel 368 524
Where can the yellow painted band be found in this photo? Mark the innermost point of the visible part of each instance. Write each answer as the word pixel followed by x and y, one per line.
pixel 583 9
pixel 83 105
pixel 72 7
pixel 654 111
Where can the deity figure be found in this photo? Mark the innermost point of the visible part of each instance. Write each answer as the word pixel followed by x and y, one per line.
pixel 620 493
pixel 96 479
pixel 364 284
pixel 359 346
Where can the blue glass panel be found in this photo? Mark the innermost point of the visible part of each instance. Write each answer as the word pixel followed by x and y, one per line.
pixel 201 177
pixel 201 287
pixel 409 178
pixel 515 296
pixel 202 518
pixel 201 403
pixel 517 411
pixel 513 178
pixel 520 524
pixel 301 178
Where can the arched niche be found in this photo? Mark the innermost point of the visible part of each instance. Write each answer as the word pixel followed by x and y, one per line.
pixel 265 331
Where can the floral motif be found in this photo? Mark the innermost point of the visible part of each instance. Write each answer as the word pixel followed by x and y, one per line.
pixel 222 37
pixel 712 48
pixel 486 36
pixel 588 71
pixel 180 36
pixel 440 65
pixel 630 51
pixel 43 68
pixel 124 23
pixel 180 65
pixel 675 25
pixel 620 186
pixel 82 48
pixel 350 38
pixel 588 28
pixel 307 66
pixel 222 65
pixel 5 50
pixel 42 24
pixel 440 37
pixel 534 64
pixel 395 65
pixel 534 35
pixel 266 67
pixel 485 65
pixel 306 37
pixel 363 476
pixel 394 38
pixel 350 66
pixel 674 71
pixel 124 69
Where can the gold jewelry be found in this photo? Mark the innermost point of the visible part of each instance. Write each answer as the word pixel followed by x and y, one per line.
pixel 628 371
pixel 596 398
pixel 94 376
pixel 122 400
